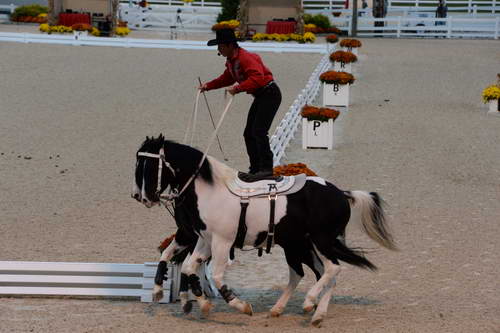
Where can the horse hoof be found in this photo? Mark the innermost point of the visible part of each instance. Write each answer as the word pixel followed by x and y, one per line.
pixel 206 308
pixel 248 309
pixel 317 322
pixel 157 296
pixel 187 307
pixel 275 314
pixel 308 309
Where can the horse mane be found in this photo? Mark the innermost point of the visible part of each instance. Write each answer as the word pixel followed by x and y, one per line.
pixel 182 157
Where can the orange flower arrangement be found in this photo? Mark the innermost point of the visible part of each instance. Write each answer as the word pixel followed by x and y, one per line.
pixel 30 19
pixel 350 43
pixel 332 77
pixel 81 27
pixel 292 170
pixel 343 56
pixel 321 114
pixel 332 39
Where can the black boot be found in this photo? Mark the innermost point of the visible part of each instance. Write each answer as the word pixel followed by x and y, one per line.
pixel 260 175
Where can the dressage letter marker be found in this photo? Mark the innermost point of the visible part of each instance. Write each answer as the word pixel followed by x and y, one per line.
pixel 317 134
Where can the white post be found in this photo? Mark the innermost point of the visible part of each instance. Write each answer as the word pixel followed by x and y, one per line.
pixel 493 6
pixel 469 7
pixel 399 27
pixel 497 25
pixel 416 3
pixel 448 21
pixel 12 8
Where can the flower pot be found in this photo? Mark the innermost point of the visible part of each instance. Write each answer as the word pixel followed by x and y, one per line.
pixel 80 34
pixel 331 47
pixel 493 106
pixel 353 50
pixel 342 67
pixel 335 94
pixel 317 134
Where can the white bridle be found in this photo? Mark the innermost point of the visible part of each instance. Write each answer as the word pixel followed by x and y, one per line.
pixel 173 192
pixel 161 161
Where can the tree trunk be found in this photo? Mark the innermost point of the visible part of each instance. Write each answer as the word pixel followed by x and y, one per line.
pixel 242 17
pixel 300 18
pixel 114 16
pixel 52 19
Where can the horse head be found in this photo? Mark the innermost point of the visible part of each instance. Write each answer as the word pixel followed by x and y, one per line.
pixel 162 164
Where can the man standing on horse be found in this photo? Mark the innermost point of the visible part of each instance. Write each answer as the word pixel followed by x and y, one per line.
pixel 245 72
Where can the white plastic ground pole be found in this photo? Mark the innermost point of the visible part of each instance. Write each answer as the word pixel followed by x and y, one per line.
pixel 83 279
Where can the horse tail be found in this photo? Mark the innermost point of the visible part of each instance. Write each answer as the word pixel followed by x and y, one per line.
pixel 372 216
pixel 351 256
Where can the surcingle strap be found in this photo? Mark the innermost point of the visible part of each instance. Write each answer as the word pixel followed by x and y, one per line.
pixel 242 225
pixel 272 200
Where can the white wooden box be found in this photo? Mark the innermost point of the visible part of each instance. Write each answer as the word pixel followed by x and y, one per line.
pixel 331 47
pixel 317 134
pixel 80 34
pixel 493 106
pixel 353 50
pixel 335 94
pixel 342 67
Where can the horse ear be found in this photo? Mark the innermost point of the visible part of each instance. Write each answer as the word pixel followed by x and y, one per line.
pixel 161 137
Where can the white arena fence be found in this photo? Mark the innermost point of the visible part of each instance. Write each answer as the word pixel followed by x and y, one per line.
pixel 430 27
pixel 288 126
pixel 69 39
pixel 89 280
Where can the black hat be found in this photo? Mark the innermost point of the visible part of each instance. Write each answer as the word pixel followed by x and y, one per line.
pixel 223 36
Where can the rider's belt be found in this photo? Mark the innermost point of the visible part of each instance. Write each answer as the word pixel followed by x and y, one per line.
pixel 261 90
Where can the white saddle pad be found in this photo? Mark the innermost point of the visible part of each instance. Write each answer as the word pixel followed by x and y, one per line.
pixel 287 185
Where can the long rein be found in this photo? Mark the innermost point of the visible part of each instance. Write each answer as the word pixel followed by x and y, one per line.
pixel 174 193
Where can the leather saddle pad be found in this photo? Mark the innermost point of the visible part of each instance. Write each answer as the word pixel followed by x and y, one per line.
pixel 261 188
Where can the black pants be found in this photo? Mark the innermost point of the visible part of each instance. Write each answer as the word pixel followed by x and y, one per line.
pixel 260 117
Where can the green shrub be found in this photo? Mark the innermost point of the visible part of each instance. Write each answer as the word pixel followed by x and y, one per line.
pixel 321 21
pixel 308 19
pixel 229 10
pixel 29 10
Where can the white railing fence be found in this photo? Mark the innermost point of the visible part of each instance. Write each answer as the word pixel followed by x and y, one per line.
pixel 286 129
pixel 69 39
pixel 5 11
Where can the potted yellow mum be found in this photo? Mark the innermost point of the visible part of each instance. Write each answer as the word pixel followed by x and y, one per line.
pixel 491 95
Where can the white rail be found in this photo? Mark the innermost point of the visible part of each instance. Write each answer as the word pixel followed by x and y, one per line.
pixel 153 43
pixel 286 129
pixel 427 27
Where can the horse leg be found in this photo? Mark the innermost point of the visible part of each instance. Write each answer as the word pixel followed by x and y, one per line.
pixel 330 270
pixel 220 259
pixel 327 282
pixel 186 305
pixel 293 281
pixel 161 271
pixel 190 269
pixel 294 257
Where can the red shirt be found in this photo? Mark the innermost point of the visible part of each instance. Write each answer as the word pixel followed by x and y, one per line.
pixel 247 69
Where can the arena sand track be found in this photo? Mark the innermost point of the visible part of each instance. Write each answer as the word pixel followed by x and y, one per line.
pixel 71 119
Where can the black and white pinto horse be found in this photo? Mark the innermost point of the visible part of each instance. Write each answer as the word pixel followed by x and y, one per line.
pixel 308 223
